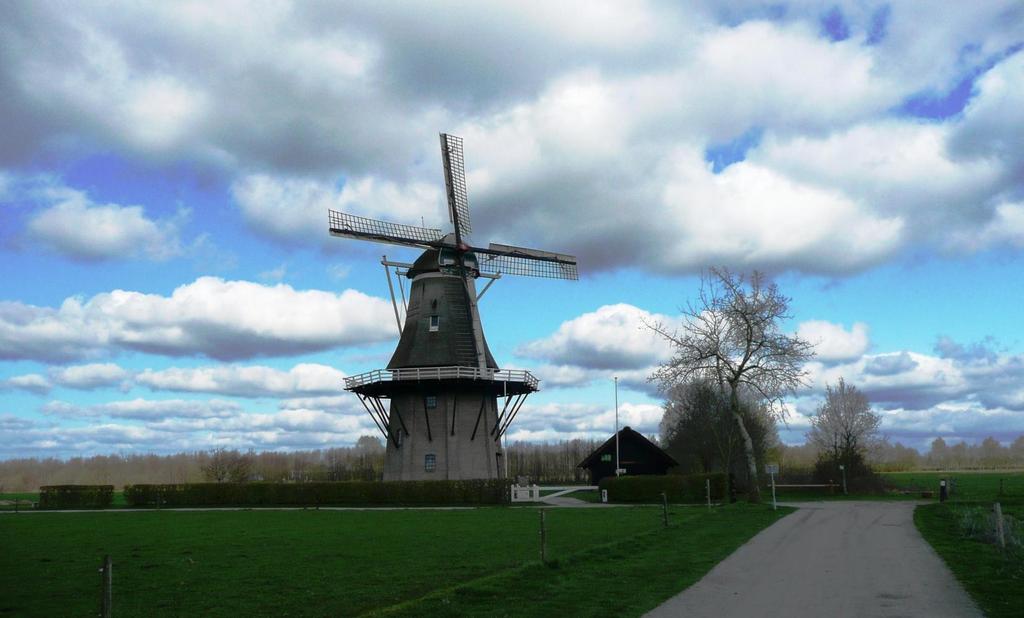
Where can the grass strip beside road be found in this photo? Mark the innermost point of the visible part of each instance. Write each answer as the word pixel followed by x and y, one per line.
pixel 625 577
pixel 993 578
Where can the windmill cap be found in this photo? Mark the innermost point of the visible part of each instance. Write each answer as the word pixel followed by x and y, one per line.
pixel 425 263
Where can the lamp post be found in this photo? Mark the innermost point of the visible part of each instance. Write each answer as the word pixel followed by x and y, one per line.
pixel 617 466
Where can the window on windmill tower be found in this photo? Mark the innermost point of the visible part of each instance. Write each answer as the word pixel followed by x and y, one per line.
pixel 429 462
pixel 431 401
pixel 435 323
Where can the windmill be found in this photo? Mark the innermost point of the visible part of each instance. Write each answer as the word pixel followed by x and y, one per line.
pixel 442 384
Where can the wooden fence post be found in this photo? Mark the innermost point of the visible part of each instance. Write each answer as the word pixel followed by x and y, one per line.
pixel 106 577
pixel 1000 534
pixel 664 508
pixel 543 539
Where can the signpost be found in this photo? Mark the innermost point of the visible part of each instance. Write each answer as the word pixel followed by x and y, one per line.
pixel 842 469
pixel 618 471
pixel 772 470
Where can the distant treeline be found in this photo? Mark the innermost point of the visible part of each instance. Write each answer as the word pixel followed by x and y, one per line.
pixel 541 463
pixel 534 463
pixel 886 456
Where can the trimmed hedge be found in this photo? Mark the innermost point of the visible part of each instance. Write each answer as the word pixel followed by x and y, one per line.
pixel 346 493
pixel 76 496
pixel 646 488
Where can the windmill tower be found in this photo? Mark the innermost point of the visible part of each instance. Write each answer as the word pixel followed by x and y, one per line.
pixel 442 420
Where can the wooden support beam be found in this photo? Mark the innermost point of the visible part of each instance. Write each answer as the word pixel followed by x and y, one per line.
pixel 455 408
pixel 398 413
pixel 497 421
pixel 512 415
pixel 483 402
pixel 426 416
pixel 362 400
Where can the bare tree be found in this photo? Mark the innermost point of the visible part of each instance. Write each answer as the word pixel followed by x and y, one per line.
pixel 844 426
pixel 732 337
pixel 227 466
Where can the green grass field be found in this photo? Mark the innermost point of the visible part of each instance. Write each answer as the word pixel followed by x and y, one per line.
pixel 967 486
pixel 404 562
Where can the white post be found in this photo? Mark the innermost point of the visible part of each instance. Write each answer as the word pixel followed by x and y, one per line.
pixel 707 491
pixel 1000 535
pixel 775 505
pixel 617 466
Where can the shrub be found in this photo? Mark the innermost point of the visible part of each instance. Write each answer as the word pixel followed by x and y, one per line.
pixel 76 496
pixel 688 488
pixel 345 493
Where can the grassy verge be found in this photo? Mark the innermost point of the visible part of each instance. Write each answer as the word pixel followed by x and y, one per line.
pixel 646 569
pixel 993 578
pixel 354 562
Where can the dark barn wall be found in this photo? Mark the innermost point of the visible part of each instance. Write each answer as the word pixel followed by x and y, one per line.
pixel 635 456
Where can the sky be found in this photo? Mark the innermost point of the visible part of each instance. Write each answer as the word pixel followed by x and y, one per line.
pixel 166 169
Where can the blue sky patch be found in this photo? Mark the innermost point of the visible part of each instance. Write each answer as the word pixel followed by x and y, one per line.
pixel 721 156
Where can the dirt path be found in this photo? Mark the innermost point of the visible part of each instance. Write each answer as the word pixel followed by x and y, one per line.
pixel 830 559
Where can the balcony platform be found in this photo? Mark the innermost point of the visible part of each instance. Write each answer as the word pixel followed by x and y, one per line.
pixel 383 382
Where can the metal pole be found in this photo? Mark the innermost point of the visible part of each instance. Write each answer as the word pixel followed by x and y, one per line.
pixel 664 508
pixel 401 288
pixel 775 505
pixel 543 539
pixel 707 491
pixel 391 289
pixel 105 583
pixel 617 466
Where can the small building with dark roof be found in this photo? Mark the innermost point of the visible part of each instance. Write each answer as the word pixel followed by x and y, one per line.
pixel 637 455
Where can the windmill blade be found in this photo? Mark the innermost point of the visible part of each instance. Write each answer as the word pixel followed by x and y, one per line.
pixel 350 226
pixel 455 183
pixel 512 260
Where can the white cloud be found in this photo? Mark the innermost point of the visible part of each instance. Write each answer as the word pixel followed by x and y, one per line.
pixel 246 381
pixel 295 210
pixel 81 229
pixel 993 123
pixel 604 120
pixel 612 337
pixel 146 409
pixel 89 376
pixel 832 342
pixel 212 317
pixel 562 421
pixel 32 382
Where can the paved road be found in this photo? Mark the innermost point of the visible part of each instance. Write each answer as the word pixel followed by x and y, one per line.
pixel 830 559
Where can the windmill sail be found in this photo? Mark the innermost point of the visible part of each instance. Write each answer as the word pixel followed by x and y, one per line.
pixel 455 183
pixel 512 260
pixel 362 228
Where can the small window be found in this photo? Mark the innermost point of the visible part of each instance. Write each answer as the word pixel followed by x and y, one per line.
pixel 606 457
pixel 429 462
pixel 430 401
pixel 435 323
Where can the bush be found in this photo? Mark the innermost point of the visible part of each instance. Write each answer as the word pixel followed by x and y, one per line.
pixel 345 493
pixel 688 488
pixel 76 496
pixel 860 478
